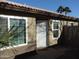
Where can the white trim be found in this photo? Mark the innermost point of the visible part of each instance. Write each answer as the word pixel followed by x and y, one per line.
pixel 8 23
pixel 4 48
pixel 26 30
pixel 56 29
pixel 9 16
pixel 17 17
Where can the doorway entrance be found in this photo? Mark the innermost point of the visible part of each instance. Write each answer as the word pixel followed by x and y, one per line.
pixel 41 34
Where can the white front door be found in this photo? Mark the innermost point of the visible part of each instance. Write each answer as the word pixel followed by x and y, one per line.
pixel 41 34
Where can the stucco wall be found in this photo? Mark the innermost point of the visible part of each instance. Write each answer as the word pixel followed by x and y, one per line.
pixel 31 30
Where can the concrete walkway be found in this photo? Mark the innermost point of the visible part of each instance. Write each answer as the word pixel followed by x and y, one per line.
pixel 54 52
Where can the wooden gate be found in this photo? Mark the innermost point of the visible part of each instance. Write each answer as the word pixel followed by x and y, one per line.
pixel 70 36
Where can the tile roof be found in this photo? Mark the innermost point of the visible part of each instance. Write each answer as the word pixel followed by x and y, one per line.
pixel 28 6
pixel 30 9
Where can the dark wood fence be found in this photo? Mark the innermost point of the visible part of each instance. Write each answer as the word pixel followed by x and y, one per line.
pixel 70 36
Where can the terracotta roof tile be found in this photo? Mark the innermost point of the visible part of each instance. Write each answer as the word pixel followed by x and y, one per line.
pixel 30 9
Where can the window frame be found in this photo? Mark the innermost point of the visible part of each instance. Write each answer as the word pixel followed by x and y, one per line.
pixel 26 25
pixel 53 21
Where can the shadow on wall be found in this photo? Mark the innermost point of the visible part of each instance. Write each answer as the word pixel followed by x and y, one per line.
pixel 69 36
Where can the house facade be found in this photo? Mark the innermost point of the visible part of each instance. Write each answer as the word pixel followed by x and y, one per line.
pixel 41 28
